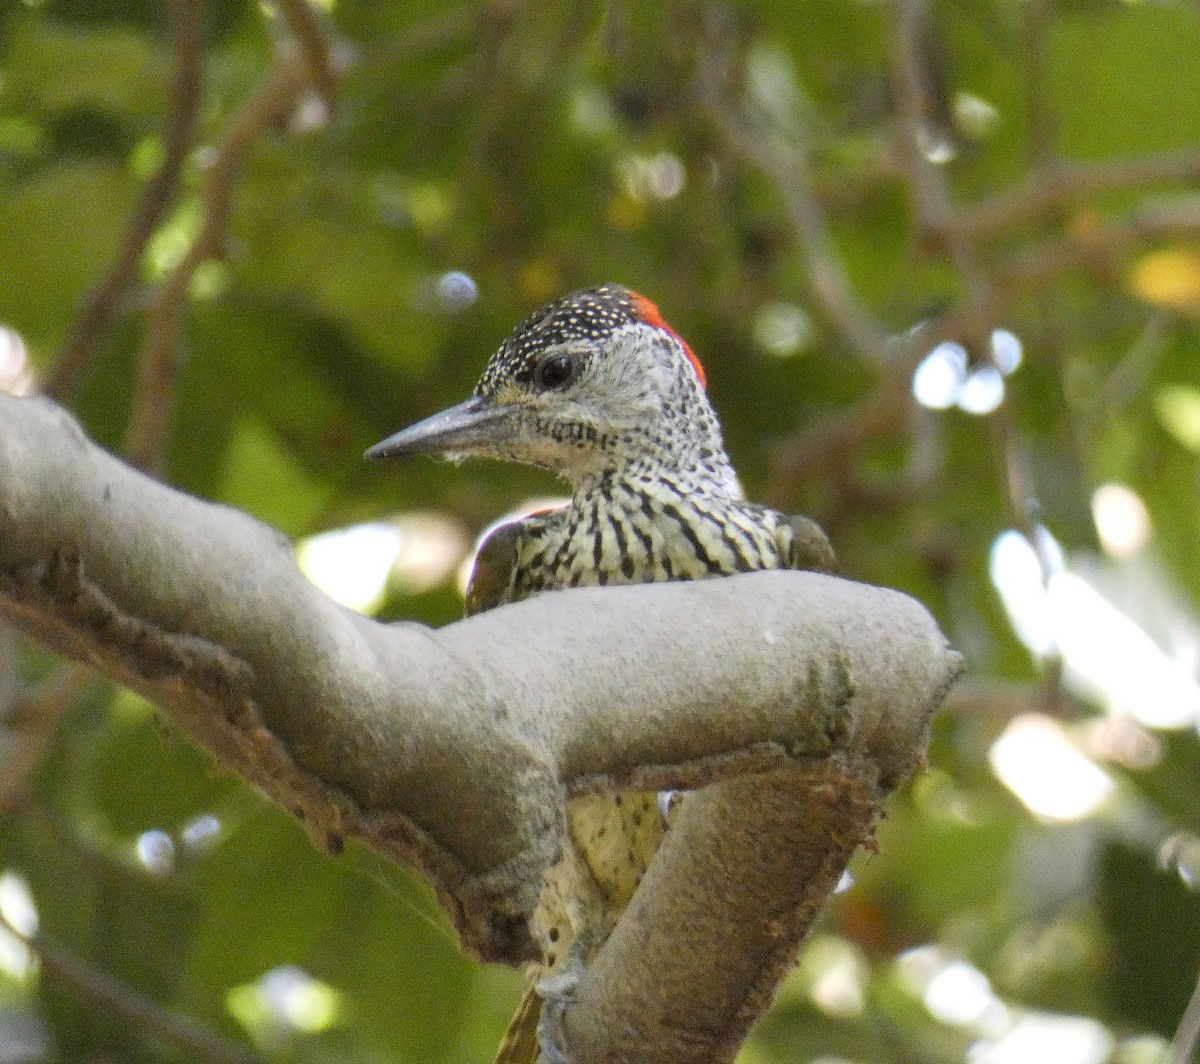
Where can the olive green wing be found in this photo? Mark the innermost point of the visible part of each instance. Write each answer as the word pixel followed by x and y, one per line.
pixel 809 547
pixel 493 574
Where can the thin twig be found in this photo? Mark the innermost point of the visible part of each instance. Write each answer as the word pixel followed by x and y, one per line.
pixel 302 20
pixel 788 169
pixel 937 215
pixel 30 724
pixel 1097 249
pixel 10 686
pixel 1126 379
pixel 114 998
pixel 928 185
pixel 104 300
pixel 158 359
pixel 827 449
pixel 1061 182
pixel 1183 1045
pixel 1043 118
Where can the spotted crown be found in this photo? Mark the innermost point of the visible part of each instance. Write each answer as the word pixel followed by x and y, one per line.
pixel 592 314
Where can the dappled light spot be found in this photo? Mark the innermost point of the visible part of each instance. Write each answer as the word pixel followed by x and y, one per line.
pixel 953 991
pixel 312 113
pixel 782 329
pixel 982 392
pixel 172 240
pixel 1108 655
pixel 1043 1038
pixel 16 371
pixel 20 918
pixel 16 959
pixel 647 178
pixel 17 908
pixel 1178 410
pixel 284 1002
pixel 1169 278
pixel 1122 521
pixel 936 144
pixel 839 990
pixel 1120 740
pixel 1115 659
pixel 456 291
pixel 974 116
pixel 960 994
pixel 146 157
pixel 1181 854
pixel 1036 760
pixel 302 1001
pixel 354 565
pixel 156 852
pixel 592 111
pixel 1007 352
pixel 939 377
pixel 209 280
pixel 1142 1048
pixel 351 565
pixel 1016 573
pixel 944 377
pixel 200 832
pixel 432 546
pixel 428 205
pixel 833 973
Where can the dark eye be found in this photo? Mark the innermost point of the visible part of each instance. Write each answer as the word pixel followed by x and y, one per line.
pixel 556 372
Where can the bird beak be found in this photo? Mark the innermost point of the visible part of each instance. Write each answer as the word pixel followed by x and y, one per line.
pixel 478 426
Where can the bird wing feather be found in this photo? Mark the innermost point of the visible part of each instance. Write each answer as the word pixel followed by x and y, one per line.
pixel 492 575
pixel 809 547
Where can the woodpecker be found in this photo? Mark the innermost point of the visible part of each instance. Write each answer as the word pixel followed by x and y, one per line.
pixel 599 389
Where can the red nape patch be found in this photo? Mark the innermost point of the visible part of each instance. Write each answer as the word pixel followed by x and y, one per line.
pixel 651 315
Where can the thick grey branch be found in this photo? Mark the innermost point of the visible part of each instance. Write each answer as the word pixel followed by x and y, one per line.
pixel 456 750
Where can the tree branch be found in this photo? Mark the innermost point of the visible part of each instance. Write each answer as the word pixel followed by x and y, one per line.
pixel 28 726
pixel 158 359
pixel 787 167
pixel 927 183
pixel 1061 182
pixel 456 750
pixel 105 298
pixel 302 20
pixel 148 1016
pixel 1187 1035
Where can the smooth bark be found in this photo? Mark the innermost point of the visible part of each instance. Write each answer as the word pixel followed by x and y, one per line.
pixel 796 701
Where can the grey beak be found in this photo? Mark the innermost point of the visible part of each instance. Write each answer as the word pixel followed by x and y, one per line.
pixel 477 426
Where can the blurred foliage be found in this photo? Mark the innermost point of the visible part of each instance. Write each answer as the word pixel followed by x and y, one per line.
pixel 536 148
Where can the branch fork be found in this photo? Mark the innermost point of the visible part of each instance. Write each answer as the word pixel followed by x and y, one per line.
pixel 792 703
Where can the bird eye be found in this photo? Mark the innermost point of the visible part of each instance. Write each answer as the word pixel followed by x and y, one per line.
pixel 556 372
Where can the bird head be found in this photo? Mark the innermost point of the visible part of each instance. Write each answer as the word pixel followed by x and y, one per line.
pixel 585 386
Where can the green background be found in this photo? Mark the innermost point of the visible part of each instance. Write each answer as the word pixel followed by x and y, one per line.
pixel 504 141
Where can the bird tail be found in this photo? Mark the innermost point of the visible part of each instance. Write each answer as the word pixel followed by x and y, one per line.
pixel 520 1044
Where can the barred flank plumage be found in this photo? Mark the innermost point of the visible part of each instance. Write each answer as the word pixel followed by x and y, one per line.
pixel 644 533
